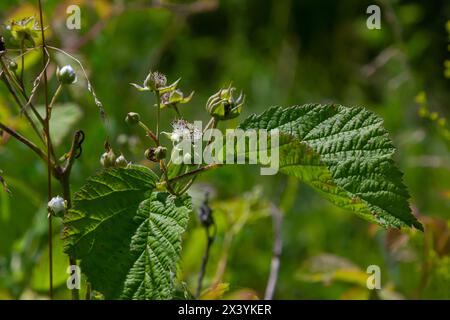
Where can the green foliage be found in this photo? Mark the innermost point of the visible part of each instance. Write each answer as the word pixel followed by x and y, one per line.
pixel 126 235
pixel 345 153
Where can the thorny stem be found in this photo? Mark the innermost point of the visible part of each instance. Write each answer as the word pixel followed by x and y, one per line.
pixel 47 134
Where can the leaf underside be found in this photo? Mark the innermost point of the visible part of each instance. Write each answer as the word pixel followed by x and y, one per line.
pixel 127 235
pixel 345 154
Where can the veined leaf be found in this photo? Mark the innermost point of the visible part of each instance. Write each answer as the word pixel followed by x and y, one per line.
pixel 126 235
pixel 156 246
pixel 345 154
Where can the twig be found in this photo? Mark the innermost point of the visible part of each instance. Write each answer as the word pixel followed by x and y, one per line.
pixel 49 148
pixel 98 103
pixel 22 59
pixel 7 78
pixel 277 217
pixel 208 224
pixel 64 179
pixel 196 171
pixel 24 140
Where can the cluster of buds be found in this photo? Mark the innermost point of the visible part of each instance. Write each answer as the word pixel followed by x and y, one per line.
pixel 109 159
pixel 224 105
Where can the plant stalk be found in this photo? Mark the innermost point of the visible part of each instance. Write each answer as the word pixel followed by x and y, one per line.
pixel 277 217
pixel 49 148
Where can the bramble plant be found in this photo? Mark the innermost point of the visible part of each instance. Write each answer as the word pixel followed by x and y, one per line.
pixel 126 222
pixel 125 225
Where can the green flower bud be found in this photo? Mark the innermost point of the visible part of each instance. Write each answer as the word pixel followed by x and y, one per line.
pixel 223 105
pixel 156 154
pixel 66 75
pixel 108 159
pixel 132 118
pixel 12 65
pixel 121 161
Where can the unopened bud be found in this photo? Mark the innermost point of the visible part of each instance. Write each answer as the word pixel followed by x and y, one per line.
pixel 156 154
pixel 132 118
pixel 66 75
pixel 108 159
pixel 121 161
pixel 57 206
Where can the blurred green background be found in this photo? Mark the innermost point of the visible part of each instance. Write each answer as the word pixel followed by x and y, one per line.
pixel 279 53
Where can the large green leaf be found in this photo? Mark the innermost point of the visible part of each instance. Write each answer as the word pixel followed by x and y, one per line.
pixel 345 154
pixel 156 246
pixel 126 234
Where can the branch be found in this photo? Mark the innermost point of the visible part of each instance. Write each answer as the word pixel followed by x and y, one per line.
pixel 277 217
pixel 49 150
pixel 196 171
pixel 207 221
pixel 24 140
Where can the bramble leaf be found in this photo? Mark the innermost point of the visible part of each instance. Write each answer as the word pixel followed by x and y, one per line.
pixel 126 235
pixel 345 154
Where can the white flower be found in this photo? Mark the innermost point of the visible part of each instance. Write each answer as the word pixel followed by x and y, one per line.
pixel 183 130
pixel 57 205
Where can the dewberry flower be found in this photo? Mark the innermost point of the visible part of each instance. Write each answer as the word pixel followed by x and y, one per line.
pixel 183 130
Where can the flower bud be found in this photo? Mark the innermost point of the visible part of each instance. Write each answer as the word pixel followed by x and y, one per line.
pixel 66 75
pixel 156 154
pixel 121 161
pixel 155 80
pixel 132 118
pixel 12 65
pixel 2 45
pixel 187 158
pixel 57 206
pixel 108 159
pixel 223 105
